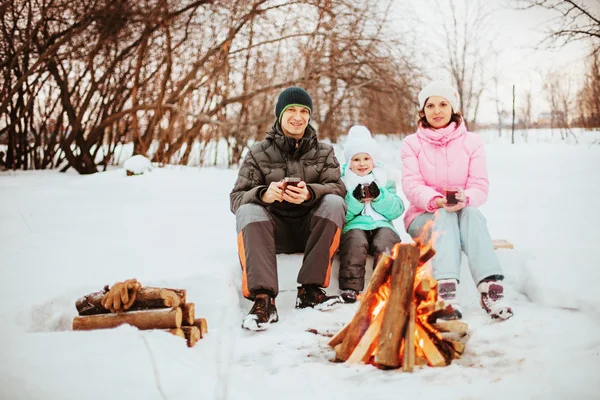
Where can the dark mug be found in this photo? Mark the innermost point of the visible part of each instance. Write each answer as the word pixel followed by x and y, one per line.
pixel 367 191
pixel 290 181
pixel 451 199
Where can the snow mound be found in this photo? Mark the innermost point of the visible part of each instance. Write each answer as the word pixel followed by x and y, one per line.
pixel 137 165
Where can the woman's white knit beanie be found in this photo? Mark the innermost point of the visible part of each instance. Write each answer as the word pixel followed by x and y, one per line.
pixel 442 89
pixel 359 141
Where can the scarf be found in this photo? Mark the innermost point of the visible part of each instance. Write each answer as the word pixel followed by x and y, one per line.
pixel 351 180
pixel 442 136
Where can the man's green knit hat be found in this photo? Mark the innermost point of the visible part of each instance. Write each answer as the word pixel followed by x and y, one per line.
pixel 292 96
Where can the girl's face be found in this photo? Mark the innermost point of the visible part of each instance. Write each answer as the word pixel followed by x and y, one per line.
pixel 361 164
pixel 438 111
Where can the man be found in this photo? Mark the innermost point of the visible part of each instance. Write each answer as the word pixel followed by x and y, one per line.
pixel 274 217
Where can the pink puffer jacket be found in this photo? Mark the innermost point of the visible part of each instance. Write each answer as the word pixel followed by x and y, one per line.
pixel 433 160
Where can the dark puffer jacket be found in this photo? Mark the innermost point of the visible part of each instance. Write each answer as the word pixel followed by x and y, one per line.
pixel 278 156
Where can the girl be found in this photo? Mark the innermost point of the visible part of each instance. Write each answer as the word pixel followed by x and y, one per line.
pixel 372 206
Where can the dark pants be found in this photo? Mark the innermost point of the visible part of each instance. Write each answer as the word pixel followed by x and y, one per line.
pixel 262 235
pixel 355 246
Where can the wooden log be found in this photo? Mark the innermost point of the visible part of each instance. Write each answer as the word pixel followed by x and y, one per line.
pixel 433 355
pixel 426 253
pixel 362 352
pixel 451 326
pixel 420 361
pixel 397 307
pixel 458 347
pixel 188 313
pixel 202 325
pixel 176 331
pixel 145 319
pixel 146 298
pixel 338 337
pixel 364 315
pixel 502 244
pixel 423 287
pixel 408 360
pixel 192 334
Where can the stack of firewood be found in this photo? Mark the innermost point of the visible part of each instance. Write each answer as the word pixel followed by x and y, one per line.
pixel 153 308
pixel 396 321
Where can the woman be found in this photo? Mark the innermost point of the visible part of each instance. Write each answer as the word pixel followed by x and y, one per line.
pixel 444 177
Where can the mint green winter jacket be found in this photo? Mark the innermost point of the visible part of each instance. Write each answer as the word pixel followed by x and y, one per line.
pixel 388 204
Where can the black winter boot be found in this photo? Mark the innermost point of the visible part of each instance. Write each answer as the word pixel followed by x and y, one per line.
pixel 262 314
pixel 315 297
pixel 349 295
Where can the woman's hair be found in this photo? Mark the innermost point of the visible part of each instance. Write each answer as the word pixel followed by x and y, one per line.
pixel 422 120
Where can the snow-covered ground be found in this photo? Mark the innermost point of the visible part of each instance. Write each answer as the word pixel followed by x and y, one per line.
pixel 65 235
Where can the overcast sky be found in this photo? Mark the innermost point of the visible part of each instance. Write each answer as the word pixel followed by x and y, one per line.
pixel 515 33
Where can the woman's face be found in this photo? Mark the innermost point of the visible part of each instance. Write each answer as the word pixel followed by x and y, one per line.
pixel 438 111
pixel 362 164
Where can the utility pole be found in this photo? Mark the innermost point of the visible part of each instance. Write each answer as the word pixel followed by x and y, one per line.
pixel 513 119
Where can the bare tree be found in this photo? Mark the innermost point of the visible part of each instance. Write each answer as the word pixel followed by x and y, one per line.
pixel 465 27
pixel 83 79
pixel 575 20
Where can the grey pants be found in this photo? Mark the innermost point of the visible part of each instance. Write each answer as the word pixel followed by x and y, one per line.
pixel 452 232
pixel 262 235
pixel 355 245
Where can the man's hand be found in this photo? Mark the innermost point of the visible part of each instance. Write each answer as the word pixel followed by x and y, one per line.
pixel 274 193
pixel 296 194
pixel 121 296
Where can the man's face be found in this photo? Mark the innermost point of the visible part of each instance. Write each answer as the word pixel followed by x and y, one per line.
pixel 294 121
pixel 362 164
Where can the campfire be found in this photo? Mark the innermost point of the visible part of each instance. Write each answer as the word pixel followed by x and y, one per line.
pixel 396 321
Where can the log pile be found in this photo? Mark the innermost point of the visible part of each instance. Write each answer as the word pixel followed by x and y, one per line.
pixel 154 308
pixel 396 321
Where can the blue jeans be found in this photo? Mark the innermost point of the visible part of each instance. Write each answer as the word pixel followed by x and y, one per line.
pixel 452 232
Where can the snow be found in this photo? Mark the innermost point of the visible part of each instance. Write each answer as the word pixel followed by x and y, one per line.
pixel 137 164
pixel 65 235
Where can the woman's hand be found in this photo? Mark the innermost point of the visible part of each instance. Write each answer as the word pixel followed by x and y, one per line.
pixel 442 202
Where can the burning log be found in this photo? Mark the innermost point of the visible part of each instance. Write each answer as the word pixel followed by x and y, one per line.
pixel 393 324
pixel 397 306
pixel 432 353
pixel 408 362
pixel 146 298
pixel 363 317
pixel 362 352
pixel 146 319
pixel 451 326
pixel 339 337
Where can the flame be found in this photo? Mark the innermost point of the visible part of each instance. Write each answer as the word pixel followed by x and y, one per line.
pixel 382 295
